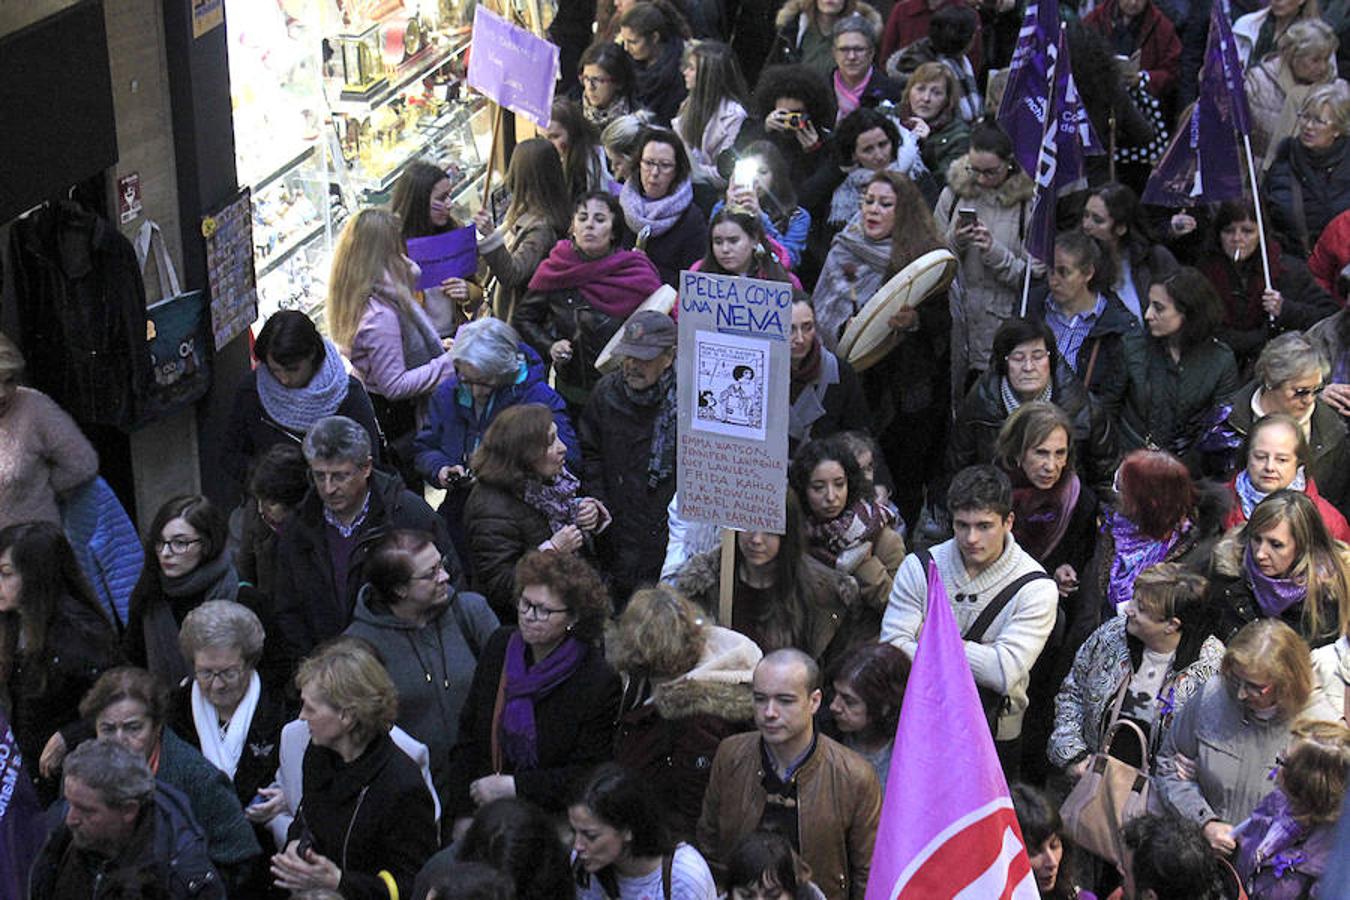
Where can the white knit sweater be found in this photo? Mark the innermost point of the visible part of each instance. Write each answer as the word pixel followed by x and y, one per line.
pixel 1003 658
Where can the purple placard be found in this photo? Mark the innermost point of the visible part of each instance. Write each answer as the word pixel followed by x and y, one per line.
pixel 515 68
pixel 451 254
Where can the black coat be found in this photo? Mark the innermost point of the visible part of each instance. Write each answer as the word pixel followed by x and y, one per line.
pixel 262 745
pixel 680 247
pixel 1103 350
pixel 575 727
pixel 616 441
pixel 843 408
pixel 502 528
pixel 308 607
pixel 1235 606
pixel 372 815
pixel 1305 192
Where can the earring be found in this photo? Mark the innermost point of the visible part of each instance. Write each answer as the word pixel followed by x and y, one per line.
pixel 570 627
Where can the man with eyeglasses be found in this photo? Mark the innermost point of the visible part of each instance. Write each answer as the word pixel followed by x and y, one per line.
pixel 323 549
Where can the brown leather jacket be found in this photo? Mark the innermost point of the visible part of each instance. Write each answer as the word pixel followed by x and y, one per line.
pixel 838 802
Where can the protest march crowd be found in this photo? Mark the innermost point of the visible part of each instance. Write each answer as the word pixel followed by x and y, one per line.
pixel 459 641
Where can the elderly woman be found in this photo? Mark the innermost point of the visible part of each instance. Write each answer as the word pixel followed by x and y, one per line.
pixel 1283 563
pixel 55 640
pixel 686 686
pixel 1215 760
pixel 1158 655
pixel 128 706
pixel 660 204
pixel 1278 84
pixel 494 370
pixel 1308 183
pixel 429 635
pixel 225 710
pixel 557 697
pixel 1258 33
pixel 1277 459
pixel 858 82
pixel 525 498
pixel 300 379
pixel 805 29
pixel 47 455
pixel 366 822
pixel 931 108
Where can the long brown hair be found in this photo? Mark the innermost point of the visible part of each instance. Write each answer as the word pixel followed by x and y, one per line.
pixel 535 179
pixel 512 445
pixel 915 232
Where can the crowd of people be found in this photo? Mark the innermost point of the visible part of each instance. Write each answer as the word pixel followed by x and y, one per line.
pixel 1128 463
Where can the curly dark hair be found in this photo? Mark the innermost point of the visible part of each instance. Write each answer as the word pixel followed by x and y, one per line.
pixel 823 450
pixel 859 122
pixel 574 583
pixel 521 840
pixel 799 83
pixel 1194 297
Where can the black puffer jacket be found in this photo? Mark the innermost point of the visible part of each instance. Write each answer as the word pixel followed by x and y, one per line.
pixel 502 528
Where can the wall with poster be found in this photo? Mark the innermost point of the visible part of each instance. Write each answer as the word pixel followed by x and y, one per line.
pixel 733 400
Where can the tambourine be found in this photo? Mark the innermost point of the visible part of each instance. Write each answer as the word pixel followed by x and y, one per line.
pixel 869 336
pixel 662 300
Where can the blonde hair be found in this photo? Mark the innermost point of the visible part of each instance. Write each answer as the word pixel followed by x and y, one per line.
pixel 660 633
pixel 1315 770
pixel 11 357
pixel 1321 564
pixel 1269 650
pixel 371 244
pixel 347 674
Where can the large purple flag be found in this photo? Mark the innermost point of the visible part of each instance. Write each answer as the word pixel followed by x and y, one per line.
pixel 942 836
pixel 1060 165
pixel 21 820
pixel 1202 164
pixel 1026 101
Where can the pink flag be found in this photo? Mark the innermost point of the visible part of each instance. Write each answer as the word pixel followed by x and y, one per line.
pixel 947 825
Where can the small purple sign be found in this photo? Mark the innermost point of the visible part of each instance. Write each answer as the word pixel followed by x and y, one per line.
pixel 513 67
pixel 451 254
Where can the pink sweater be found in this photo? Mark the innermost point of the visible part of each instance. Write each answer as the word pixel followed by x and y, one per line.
pixel 42 454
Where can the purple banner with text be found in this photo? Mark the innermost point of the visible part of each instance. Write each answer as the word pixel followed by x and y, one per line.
pixel 513 67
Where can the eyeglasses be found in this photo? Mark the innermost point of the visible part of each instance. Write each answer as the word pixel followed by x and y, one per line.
pixel 227 676
pixel 596 80
pixel 537 611
pixel 853 51
pixel 1242 685
pixel 657 165
pixel 1021 359
pixel 445 565
pixel 336 479
pixel 1311 119
pixel 176 546
pixel 1305 393
pixel 988 173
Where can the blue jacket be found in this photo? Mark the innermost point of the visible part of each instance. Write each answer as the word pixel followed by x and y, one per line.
pixel 105 543
pixel 453 431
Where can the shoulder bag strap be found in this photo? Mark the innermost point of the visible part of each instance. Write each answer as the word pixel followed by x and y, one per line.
pixel 1092 362
pixel 497 722
pixel 667 864
pixel 996 606
pixel 1115 713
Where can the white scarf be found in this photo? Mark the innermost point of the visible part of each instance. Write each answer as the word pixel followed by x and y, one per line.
pixel 224 751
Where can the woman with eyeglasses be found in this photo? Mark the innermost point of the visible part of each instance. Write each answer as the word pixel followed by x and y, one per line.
pixel 1308 183
pixel 186 564
pixel 55 639
pixel 1277 85
pixel 429 635
pixel 1216 759
pixel 659 204
pixel 1253 314
pixel 130 706
pixel 543 703
pixel 607 83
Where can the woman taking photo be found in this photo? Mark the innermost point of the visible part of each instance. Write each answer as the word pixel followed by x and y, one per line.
pixel 621 849
pixel 1283 564
pixel 773 198
pixel 1253 314
pixel 711 117
pixel 559 698
pixel 524 499
pixel 1308 183
pixel 581 294
pixel 686 686
pixel 366 822
pixel 869 687
pixel 1177 374
pixel 186 564
pixel 932 110
pixel 894 229
pixel 824 394
pixel 782 596
pixel 846 529
pixel 300 379
pixel 55 640
pixel 422 201
pixel 737 245
pixel 1114 217
pixel 1159 654
pixel 660 204
pixel 653 36
pixel 1216 758
pixel 607 83
pixel 577 141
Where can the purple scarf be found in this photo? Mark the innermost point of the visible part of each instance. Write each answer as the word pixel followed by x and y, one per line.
pixel 525 686
pixel 554 499
pixel 1135 552
pixel 1273 595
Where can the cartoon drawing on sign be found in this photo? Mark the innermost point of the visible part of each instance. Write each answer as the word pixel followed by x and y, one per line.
pixel 732 379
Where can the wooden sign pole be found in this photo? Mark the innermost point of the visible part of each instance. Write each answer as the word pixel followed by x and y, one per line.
pixel 492 154
pixel 727 582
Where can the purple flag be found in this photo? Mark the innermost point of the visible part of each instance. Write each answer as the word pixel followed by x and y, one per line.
pixel 21 823
pixel 1060 166
pixel 1202 164
pixel 942 836
pixel 1026 100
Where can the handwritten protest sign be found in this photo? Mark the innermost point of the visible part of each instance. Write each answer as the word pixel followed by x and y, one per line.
pixel 451 254
pixel 733 400
pixel 513 67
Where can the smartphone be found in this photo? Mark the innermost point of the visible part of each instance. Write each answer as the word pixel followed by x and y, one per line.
pixel 967 218
pixel 798 121
pixel 743 175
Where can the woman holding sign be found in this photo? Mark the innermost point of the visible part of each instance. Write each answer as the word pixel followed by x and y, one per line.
pixel 422 202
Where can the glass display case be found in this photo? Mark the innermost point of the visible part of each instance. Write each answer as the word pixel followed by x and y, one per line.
pixel 332 100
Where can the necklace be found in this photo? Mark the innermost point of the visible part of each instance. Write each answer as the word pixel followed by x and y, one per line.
pixel 426 669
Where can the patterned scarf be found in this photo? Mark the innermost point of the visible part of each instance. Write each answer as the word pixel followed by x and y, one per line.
pixel 660 215
pixel 554 499
pixel 524 687
pixel 295 409
pixel 1248 496
pixel 1135 552
pixel 1010 401
pixel 1273 595
pixel 842 542
pixel 661 457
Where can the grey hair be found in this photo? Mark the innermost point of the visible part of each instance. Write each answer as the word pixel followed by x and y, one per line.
pixel 11 357
pixel 337 438
pixel 1307 37
pixel 222 623
pixel 117 774
pixel 491 346
pixel 1335 96
pixel 1287 357
pixel 855 24
pixel 620 136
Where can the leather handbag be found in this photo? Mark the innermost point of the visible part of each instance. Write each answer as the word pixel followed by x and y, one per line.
pixel 1109 794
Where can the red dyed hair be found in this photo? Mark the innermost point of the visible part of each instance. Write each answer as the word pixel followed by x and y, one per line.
pixel 1156 492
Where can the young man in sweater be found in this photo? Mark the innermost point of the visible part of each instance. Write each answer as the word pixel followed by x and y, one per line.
pixel 977 566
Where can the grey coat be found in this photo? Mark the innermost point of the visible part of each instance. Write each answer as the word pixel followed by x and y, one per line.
pixel 1233 754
